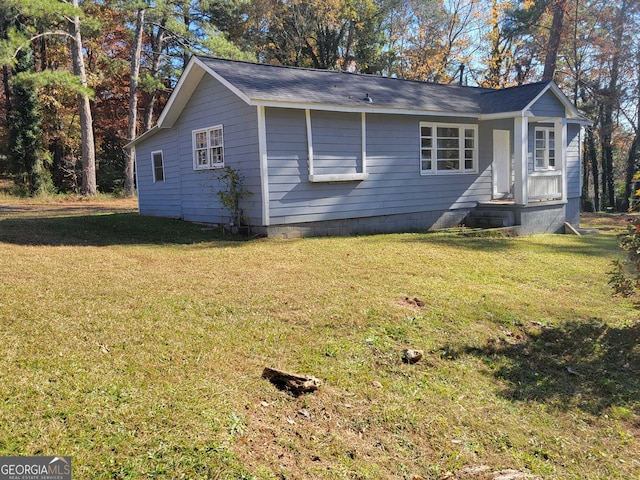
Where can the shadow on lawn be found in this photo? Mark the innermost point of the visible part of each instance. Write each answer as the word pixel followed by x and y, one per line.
pixel 587 365
pixel 113 229
pixel 589 245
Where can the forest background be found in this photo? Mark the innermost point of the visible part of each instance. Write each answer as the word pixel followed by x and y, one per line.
pixel 81 78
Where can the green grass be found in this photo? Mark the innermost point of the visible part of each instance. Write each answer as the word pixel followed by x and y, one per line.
pixel 136 345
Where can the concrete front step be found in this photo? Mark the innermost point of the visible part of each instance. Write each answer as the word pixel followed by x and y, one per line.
pixel 490 218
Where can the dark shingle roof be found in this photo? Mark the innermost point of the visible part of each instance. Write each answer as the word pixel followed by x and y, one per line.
pixel 278 85
pixel 513 99
pixel 330 87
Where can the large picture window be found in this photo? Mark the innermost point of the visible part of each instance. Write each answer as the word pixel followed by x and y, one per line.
pixel 448 148
pixel 545 151
pixel 208 148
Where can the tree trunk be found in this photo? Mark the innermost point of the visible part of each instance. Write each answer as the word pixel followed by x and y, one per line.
pixel 608 191
pixel 630 171
pixel 136 50
pixel 84 107
pixel 7 90
pixel 555 35
pixel 591 145
pixel 157 42
pixel 587 205
pixel 495 61
pixel 634 151
pixel 610 105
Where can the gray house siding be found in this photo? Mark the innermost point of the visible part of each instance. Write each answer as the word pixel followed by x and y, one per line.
pixel 337 142
pixel 365 173
pixel 212 104
pixel 548 105
pixel 574 172
pixel 394 185
pixel 163 199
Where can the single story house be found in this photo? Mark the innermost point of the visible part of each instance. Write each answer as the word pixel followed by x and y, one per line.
pixel 330 153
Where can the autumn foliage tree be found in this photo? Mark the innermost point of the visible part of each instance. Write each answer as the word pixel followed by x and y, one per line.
pixel 133 52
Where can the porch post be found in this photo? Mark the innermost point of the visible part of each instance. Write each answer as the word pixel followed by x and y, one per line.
pixel 520 167
pixel 560 130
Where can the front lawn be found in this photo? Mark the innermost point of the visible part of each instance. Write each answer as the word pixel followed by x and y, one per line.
pixel 136 346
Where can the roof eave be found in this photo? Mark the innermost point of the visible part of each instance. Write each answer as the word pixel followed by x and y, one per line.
pixel 578 119
pixel 185 87
pixel 358 108
pixel 189 80
pixel 585 122
pixel 149 133
pixel 502 115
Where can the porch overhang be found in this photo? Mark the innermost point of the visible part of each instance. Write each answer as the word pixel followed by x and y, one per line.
pixel 530 183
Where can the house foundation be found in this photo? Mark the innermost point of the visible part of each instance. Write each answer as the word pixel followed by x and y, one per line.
pixel 407 222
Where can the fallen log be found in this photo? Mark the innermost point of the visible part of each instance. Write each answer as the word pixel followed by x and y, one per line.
pixel 292 382
pixel 411 356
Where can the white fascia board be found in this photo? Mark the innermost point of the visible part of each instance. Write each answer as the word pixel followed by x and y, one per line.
pixel 585 122
pixel 224 82
pixel 187 84
pixel 144 136
pixel 355 109
pixel 501 115
pixel 181 94
pixel 533 118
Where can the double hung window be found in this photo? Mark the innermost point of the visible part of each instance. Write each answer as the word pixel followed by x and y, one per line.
pixel 448 148
pixel 208 148
pixel 158 166
pixel 545 151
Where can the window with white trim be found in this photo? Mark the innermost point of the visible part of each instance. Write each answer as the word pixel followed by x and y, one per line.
pixel 448 148
pixel 157 164
pixel 545 148
pixel 208 148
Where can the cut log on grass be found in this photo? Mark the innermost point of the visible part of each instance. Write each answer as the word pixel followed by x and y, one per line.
pixel 294 383
pixel 411 356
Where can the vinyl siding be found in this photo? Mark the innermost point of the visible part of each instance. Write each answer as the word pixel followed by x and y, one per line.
pixel 161 199
pixel 337 143
pixel 394 185
pixel 548 105
pixel 574 171
pixel 188 193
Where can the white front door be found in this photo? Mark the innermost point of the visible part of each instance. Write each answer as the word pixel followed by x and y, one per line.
pixel 502 178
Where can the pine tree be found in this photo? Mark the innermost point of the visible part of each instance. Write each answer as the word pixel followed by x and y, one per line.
pixel 27 155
